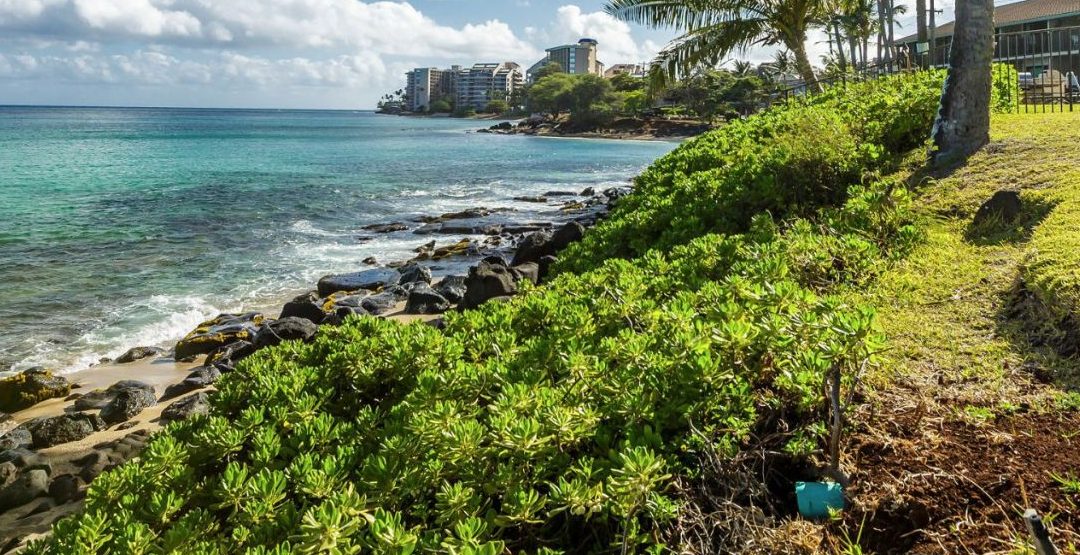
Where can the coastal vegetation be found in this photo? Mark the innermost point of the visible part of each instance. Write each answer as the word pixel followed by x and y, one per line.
pixel 677 356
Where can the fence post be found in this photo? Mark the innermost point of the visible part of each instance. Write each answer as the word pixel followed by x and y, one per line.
pixel 1039 534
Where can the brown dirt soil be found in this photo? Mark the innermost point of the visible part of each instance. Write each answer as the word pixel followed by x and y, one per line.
pixel 936 485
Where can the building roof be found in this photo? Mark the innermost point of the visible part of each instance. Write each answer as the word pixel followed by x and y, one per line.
pixel 1017 12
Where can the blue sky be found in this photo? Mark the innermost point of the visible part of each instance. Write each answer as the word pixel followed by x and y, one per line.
pixel 282 53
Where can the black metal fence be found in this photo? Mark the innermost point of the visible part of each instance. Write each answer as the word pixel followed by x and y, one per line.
pixel 1040 67
pixel 1045 64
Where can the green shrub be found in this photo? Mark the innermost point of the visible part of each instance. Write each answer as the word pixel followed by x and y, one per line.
pixel 559 421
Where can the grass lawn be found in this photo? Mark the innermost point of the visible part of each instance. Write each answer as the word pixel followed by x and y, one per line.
pixel 969 419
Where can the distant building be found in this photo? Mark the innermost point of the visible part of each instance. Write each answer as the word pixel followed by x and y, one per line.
pixel 577 59
pixel 1035 36
pixel 427 85
pixel 482 83
pixel 633 70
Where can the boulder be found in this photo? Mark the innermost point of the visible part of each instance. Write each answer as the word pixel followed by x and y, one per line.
pixel 460 248
pixel 467 214
pixel 1004 206
pixel 588 192
pixel 54 430
pixel 382 303
pixel 546 262
pixel 307 306
pixel 139 353
pixel 533 247
pixel 531 199
pixel 424 300
pixel 569 233
pixel 27 487
pixel 560 194
pixel 225 329
pixel 372 280
pixel 131 398
pixel 487 281
pixel 93 400
pixel 25 459
pixel 31 387
pixel 187 407
pixel 285 329
pixel 452 288
pixel 370 261
pixel 529 271
pixel 65 488
pixel 19 437
pixel 415 273
pixel 201 377
pixel 226 356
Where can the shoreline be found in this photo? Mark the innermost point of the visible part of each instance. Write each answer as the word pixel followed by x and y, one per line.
pixel 624 129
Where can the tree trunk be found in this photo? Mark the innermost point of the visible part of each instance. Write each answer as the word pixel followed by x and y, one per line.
pixel 920 22
pixel 963 120
pixel 853 45
pixel 881 30
pixel 889 50
pixel 840 46
pixel 802 63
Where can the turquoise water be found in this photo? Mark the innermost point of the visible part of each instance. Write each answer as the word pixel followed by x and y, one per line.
pixel 124 227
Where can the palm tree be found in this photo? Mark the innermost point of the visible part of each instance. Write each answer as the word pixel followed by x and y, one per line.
pixel 742 68
pixel 963 121
pixel 712 29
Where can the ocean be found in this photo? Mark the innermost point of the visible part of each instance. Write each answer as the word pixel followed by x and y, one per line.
pixel 127 227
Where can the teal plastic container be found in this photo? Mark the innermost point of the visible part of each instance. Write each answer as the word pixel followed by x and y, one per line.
pixel 816 499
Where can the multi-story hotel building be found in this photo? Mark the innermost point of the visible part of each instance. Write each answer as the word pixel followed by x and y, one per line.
pixel 578 59
pixel 425 85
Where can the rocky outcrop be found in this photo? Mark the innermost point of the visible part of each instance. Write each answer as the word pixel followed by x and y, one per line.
pixel 487 281
pixel 285 329
pixel 533 247
pixel 55 430
pixel 225 329
pixel 16 438
pixel 31 387
pixel 415 273
pixel 226 356
pixel 187 407
pixel 425 300
pixel 372 280
pixel 201 377
pixel 139 353
pixel 307 306
pixel 451 288
pixel 386 228
pixel 131 397
pixel 29 485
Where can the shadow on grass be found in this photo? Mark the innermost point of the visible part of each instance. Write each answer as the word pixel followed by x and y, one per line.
pixel 996 231
pixel 1048 341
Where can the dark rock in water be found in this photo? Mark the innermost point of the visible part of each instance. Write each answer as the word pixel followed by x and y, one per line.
pixel 546 262
pixel 27 487
pixel 380 304
pixel 187 407
pixel 487 281
pixel 588 192
pixel 201 377
pixel 371 261
pixel 463 215
pixel 569 233
pixel 226 356
pixel 504 126
pixel 532 199
pixel 65 488
pixel 366 279
pixel 518 229
pixel 16 438
pixel 31 387
pixel 139 353
pixel 528 271
pixel 424 300
pixel 285 329
pixel 533 247
pixel 1004 206
pixel 225 329
pixel 452 288
pixel 457 249
pixel 385 228
pixel 131 398
pixel 54 430
pixel 307 306
pixel 613 194
pixel 413 273
pixel 560 194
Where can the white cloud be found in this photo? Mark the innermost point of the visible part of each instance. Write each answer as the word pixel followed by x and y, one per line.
pixel 137 17
pixel 617 43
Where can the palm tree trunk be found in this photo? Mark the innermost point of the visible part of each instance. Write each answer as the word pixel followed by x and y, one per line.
pixel 839 46
pixel 881 29
pixel 853 44
pixel 963 121
pixel 802 63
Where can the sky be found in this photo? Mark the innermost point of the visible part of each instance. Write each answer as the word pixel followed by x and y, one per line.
pixel 286 53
